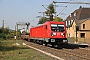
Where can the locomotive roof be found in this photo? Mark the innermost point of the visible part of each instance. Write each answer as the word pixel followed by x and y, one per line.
pixel 45 23
pixel 39 24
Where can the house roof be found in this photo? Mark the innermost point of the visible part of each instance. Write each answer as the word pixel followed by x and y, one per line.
pixel 81 21
pixel 78 22
pixel 85 11
pixel 82 13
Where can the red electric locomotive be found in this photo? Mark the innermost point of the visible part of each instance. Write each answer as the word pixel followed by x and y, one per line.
pixel 50 32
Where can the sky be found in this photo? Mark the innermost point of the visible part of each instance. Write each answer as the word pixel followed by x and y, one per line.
pixel 12 11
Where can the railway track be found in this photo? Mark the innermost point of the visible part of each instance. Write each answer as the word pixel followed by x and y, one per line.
pixel 78 53
pixel 67 54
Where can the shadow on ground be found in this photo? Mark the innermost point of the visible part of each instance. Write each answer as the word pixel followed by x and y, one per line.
pixel 9 48
pixel 70 46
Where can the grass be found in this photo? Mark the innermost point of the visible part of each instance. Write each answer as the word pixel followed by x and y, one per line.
pixel 8 51
pixel 71 39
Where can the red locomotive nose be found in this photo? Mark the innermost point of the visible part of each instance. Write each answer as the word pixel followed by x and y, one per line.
pixel 57 34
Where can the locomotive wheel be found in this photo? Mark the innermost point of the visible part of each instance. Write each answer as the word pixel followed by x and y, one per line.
pixel 44 43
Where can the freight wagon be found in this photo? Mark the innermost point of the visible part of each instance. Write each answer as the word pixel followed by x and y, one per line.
pixel 25 36
pixel 50 32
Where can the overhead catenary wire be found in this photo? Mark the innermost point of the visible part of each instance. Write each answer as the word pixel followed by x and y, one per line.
pixel 62 10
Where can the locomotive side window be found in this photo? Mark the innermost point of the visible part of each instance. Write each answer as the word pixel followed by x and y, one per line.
pixel 57 27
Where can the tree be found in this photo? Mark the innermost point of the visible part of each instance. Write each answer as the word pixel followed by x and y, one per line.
pixel 58 19
pixel 6 30
pixel 5 33
pixel 1 30
pixel 50 11
pixel 42 20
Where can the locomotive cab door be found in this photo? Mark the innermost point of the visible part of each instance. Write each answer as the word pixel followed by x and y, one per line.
pixel 45 31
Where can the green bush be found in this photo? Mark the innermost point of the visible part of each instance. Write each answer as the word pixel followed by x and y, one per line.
pixel 6 36
pixel 9 36
pixel 2 36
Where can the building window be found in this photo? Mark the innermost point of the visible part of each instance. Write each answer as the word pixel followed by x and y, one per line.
pixel 82 35
pixel 83 26
pixel 74 14
pixel 71 21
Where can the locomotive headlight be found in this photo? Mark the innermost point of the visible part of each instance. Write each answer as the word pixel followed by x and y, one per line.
pixel 54 33
pixel 62 34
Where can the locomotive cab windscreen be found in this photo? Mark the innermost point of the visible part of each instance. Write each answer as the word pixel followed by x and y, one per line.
pixel 57 27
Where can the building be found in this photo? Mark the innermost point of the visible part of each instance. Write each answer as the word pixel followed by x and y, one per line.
pixel 80 30
pixel 77 26
pixel 79 14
